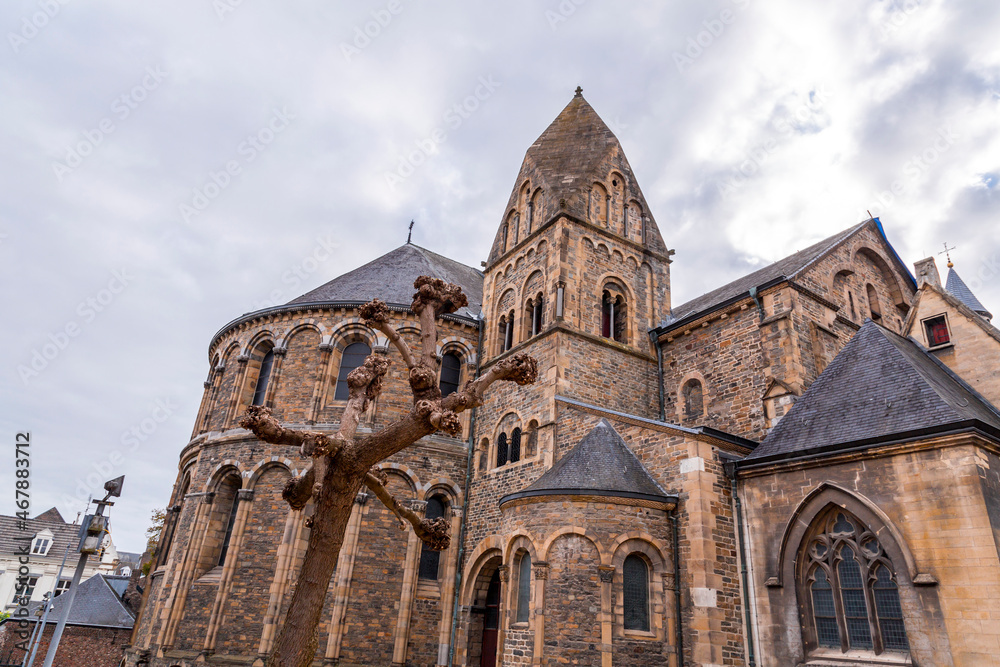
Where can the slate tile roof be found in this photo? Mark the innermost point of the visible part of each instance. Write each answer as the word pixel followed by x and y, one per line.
pixel 97 603
pixel 391 276
pixel 600 464
pixel 11 533
pixel 879 386
pixel 957 288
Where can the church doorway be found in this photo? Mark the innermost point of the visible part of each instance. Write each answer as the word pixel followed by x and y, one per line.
pixel 491 623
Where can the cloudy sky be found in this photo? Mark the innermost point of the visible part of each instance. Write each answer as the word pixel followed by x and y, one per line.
pixel 166 167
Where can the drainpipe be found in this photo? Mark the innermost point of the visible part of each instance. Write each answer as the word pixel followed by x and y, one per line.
pixel 659 371
pixel 465 510
pixel 679 639
pixel 730 469
pixel 756 300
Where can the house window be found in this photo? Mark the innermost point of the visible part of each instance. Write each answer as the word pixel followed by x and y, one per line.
pixel 523 589
pixel 937 331
pixel 694 401
pixel 873 305
pixel 502 450
pixel 852 592
pixel 613 316
pixel 635 593
pixel 41 545
pixel 514 453
pixel 260 391
pixel 354 356
pixel 63 586
pixel 430 559
pixel 24 588
pixel 451 373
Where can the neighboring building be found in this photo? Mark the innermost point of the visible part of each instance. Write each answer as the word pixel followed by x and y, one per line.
pixel 593 516
pixel 44 539
pixel 97 629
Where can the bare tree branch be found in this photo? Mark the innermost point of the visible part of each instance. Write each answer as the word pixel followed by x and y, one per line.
pixel 258 420
pixel 432 532
pixel 375 314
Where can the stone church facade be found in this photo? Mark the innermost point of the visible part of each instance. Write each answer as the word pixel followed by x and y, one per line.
pixel 800 467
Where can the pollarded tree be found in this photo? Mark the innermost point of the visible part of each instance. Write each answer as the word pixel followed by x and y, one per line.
pixel 343 461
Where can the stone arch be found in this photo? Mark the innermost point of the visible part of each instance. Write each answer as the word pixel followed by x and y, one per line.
pixel 888 275
pixel 261 337
pixel 615 286
pixel 782 567
pixel 633 220
pixel 253 475
pixel 542 247
pixel 617 256
pixel 491 547
pixel 442 486
pixel 681 407
pixel 403 471
pixel 220 472
pixel 299 328
pixel 575 530
pixel 520 539
pixel 597 209
pixel 642 542
pixel 536 218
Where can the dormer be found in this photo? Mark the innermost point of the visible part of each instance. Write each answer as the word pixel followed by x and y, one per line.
pixel 42 543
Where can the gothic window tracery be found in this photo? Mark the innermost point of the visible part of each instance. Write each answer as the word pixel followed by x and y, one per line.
pixel 852 594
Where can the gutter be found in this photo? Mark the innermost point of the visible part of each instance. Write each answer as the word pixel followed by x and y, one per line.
pixel 679 634
pixel 730 469
pixel 465 510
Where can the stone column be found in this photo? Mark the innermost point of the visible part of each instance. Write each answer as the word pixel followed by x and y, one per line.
pixel 204 409
pixel 670 614
pixel 174 608
pixel 447 577
pixel 410 567
pixel 279 583
pixel 244 497
pixel 504 572
pixel 344 573
pixel 606 574
pixel 216 380
pixel 541 572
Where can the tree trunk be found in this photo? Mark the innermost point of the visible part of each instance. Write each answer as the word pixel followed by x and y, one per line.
pixel 297 641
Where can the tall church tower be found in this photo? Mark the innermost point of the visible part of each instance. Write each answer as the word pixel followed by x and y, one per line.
pixel 577 276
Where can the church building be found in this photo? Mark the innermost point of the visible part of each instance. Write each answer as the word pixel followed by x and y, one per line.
pixel 801 467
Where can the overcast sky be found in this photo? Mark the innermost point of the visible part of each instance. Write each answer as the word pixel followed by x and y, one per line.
pixel 166 167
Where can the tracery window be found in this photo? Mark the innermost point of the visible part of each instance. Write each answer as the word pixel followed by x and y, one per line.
pixel 451 373
pixel 635 593
pixel 852 593
pixel 430 559
pixel 354 355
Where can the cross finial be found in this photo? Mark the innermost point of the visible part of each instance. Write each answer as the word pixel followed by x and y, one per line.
pixel 579 91
pixel 410 234
pixel 947 253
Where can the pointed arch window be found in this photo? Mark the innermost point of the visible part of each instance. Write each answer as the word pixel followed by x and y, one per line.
pixel 263 376
pixel 851 589
pixel 430 559
pixel 635 593
pixel 451 373
pixel 354 355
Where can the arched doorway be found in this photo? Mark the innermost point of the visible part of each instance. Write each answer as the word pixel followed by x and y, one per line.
pixel 482 636
pixel 491 623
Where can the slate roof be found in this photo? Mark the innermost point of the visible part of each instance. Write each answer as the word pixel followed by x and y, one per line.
pixel 391 276
pixel 97 604
pixel 879 387
pixel 12 534
pixel 600 464
pixel 957 288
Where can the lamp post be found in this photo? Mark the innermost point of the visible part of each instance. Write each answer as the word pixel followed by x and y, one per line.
pixel 91 535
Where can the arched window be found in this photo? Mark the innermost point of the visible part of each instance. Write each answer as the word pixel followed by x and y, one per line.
pixel 854 312
pixel 852 593
pixel 501 449
pixel 451 373
pixel 613 314
pixel 694 401
pixel 230 522
pixel 354 355
pixel 507 331
pixel 430 559
pixel 635 593
pixel 503 246
pixel 514 454
pixel 536 315
pixel 873 305
pixel 517 227
pixel 523 589
pixel 263 376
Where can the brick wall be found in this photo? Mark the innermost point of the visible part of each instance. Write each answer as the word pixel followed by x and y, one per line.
pixel 80 646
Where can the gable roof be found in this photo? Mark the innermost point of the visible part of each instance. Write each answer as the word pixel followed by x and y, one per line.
pixel 787 268
pixel 15 533
pixel 957 288
pixel 601 464
pixel 97 603
pixel 880 386
pixel 955 303
pixel 51 514
pixel 391 276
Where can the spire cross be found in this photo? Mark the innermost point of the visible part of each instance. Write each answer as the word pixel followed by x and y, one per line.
pixel 947 253
pixel 410 234
pixel 578 91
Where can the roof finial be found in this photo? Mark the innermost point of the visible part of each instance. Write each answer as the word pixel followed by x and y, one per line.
pixel 947 253
pixel 410 234
pixel 579 92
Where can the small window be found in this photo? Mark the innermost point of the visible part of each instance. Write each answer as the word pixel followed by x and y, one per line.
pixel 937 331
pixel 523 589
pixel 536 316
pixel 694 401
pixel 260 391
pixel 451 373
pixel 24 588
pixel 502 450
pixel 229 528
pixel 507 331
pixel 514 453
pixel 430 559
pixel 503 242
pixel 873 304
pixel 63 586
pixel 354 356
pixel 41 545
pixel 613 317
pixel 635 593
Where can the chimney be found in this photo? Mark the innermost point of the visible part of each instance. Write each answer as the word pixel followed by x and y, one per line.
pixel 927 272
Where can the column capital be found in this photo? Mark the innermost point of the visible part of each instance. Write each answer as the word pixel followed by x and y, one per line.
pixel 245 494
pixel 504 573
pixel 326 347
pixel 668 581
pixel 361 498
pixel 541 570
pixel 606 573
pixel 415 505
pixel 243 358
pixel 279 351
